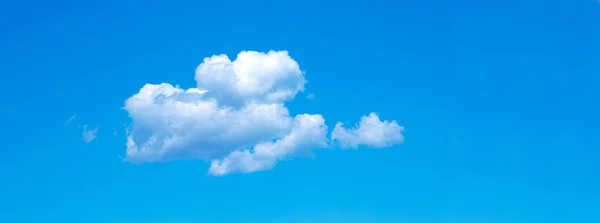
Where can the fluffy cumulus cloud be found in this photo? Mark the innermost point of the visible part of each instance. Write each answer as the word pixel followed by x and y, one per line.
pixel 370 132
pixel 236 118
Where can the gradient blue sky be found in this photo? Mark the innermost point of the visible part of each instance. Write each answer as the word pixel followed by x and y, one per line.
pixel 499 100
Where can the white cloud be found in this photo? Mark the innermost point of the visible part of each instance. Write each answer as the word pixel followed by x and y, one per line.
pixel 310 96
pixel 235 117
pixel 370 131
pixel 271 77
pixel 70 119
pixel 308 132
pixel 89 134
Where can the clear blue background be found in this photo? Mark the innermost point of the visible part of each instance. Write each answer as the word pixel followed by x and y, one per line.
pixel 499 99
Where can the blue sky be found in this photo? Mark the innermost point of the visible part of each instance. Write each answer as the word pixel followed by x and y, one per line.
pixel 498 98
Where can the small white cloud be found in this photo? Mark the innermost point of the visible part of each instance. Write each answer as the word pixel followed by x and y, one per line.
pixel 235 117
pixel 310 96
pixel 370 132
pixel 70 119
pixel 89 134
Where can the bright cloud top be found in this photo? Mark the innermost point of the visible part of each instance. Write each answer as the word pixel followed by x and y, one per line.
pixel 236 117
